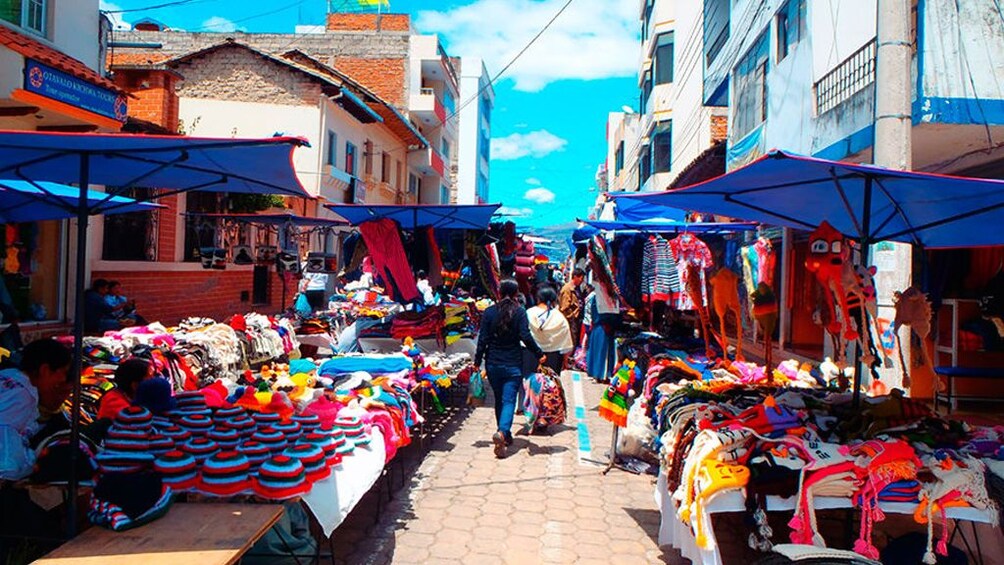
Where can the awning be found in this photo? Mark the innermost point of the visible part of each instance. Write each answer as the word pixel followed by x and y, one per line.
pixel 173 163
pixel 660 226
pixel 632 210
pixel 273 219
pixel 22 201
pixel 466 217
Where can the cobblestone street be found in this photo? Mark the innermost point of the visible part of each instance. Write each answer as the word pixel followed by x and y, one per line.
pixel 548 502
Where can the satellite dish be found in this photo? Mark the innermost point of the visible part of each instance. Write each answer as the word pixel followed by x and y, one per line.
pixel 627 109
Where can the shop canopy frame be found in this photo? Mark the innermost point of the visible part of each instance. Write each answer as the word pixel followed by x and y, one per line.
pixel 22 201
pixel 410 217
pixel 274 222
pixel 168 164
pixel 864 202
pixel 593 227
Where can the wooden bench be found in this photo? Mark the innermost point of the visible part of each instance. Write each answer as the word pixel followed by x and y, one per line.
pixel 951 374
pixel 210 534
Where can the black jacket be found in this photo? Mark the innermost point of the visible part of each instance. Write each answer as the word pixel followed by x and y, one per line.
pixel 504 349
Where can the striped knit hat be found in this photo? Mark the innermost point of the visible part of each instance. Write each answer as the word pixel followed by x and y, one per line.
pixel 228 413
pixel 160 422
pixel 123 461
pixel 281 478
pixel 308 422
pixel 127 440
pixel 178 434
pixel 256 452
pixel 265 418
pixel 178 469
pixel 271 438
pixel 190 400
pixel 343 447
pixel 289 429
pixel 244 425
pixel 351 426
pixel 225 474
pixel 225 437
pixel 160 444
pixel 201 448
pixel 327 445
pixel 313 461
pixel 135 417
pixel 198 424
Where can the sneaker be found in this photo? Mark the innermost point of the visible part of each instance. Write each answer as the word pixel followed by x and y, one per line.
pixel 508 439
pixel 500 444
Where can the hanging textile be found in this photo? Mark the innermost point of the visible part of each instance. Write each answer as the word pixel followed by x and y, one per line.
pixel 525 266
pixel 628 253
pixel 384 244
pixel 435 259
pixel 660 278
pixel 687 250
pixel 599 262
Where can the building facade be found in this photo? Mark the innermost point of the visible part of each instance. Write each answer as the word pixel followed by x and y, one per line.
pixel 475 132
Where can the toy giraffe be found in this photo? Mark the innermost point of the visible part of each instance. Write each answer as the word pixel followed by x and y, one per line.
pixel 695 289
pixel 725 298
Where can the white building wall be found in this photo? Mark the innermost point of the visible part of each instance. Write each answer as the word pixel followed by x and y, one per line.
pixel 74 29
pixel 472 161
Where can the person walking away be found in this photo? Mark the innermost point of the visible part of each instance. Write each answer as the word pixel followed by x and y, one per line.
pixel 314 286
pixel 550 329
pixel 503 326
pixel 571 302
pixel 426 294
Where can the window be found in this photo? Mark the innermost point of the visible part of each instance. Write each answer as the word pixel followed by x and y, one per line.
pixel 444 194
pixel 350 158
pixel 619 158
pixel 368 158
pixel 790 26
pixel 646 19
pixel 750 90
pixel 332 148
pixel 646 91
pixel 32 274
pixel 399 176
pixel 662 147
pixel 717 14
pixel 201 231
pixel 414 185
pixel 385 167
pixel 31 15
pixel 644 166
pixel 444 145
pixel 664 58
pixel 132 236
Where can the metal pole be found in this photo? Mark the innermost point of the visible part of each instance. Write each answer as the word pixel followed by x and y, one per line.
pixel 866 227
pixel 78 342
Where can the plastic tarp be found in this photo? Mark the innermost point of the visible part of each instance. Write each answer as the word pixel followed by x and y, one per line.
pixel 172 163
pixel 861 201
pixel 467 217
pixel 22 201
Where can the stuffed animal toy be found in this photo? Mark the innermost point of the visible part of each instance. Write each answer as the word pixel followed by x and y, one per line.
pixel 725 299
pixel 765 312
pixel 914 310
pixel 694 288
pixel 828 256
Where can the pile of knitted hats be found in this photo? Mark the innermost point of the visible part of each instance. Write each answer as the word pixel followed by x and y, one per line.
pixel 227 451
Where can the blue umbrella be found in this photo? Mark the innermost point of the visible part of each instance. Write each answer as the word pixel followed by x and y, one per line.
pixel 23 201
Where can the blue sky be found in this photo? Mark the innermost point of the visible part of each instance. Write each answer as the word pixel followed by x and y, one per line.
pixel 549 123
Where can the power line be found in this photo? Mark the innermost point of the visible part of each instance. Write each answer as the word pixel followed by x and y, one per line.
pixel 153 7
pixel 254 17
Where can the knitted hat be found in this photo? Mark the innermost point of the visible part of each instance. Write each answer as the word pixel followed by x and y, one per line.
pixel 123 461
pixel 324 408
pixel 182 412
pixel 342 446
pixel 156 395
pixel 289 429
pixel 265 418
pixel 273 439
pixel 308 422
pixel 201 448
pixel 161 421
pixel 225 437
pixel 228 413
pixel 178 434
pixel 178 469
pixel 225 474
pixel 327 445
pixel 197 424
pixel 127 440
pixel 189 400
pixel 313 461
pixel 281 477
pixel 244 425
pixel 256 452
pixel 160 444
pixel 135 417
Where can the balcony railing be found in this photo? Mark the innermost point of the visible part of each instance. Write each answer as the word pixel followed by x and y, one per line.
pixel 427 91
pixel 848 78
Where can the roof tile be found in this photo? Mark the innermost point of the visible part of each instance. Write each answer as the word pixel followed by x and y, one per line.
pixel 34 49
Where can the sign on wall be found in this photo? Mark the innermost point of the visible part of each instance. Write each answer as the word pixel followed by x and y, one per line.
pixel 52 83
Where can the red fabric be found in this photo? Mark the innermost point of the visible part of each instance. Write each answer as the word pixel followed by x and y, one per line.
pixel 389 260
pixel 112 403
pixel 435 260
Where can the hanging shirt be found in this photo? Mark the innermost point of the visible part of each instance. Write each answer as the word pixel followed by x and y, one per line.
pixel 687 249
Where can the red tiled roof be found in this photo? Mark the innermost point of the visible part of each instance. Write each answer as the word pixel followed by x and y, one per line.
pixel 34 49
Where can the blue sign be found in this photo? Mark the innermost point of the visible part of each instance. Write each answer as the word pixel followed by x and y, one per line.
pixel 62 87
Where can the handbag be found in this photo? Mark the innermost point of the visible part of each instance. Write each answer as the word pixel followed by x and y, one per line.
pixel 476 390
pixel 242 255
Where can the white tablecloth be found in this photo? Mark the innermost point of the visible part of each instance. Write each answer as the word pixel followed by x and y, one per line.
pixel 673 532
pixel 391 345
pixel 332 499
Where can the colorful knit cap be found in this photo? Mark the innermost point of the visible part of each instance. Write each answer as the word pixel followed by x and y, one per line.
pixel 225 474
pixel 161 422
pixel 177 433
pixel 244 425
pixel 308 422
pixel 327 445
pixel 256 452
pixel 201 448
pixel 351 426
pixel 160 444
pixel 123 461
pixel 225 437
pixel 312 457
pixel 127 439
pixel 189 400
pixel 289 429
pixel 135 417
pixel 342 446
pixel 178 469
pixel 265 418
pixel 271 438
pixel 280 478
pixel 228 413
pixel 198 424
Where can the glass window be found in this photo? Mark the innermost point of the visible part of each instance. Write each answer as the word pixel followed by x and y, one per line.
pixel 646 91
pixel 29 14
pixel 619 158
pixel 385 167
pixel 445 147
pixel 414 184
pixel 399 174
pixel 350 158
pixel 132 236
pixel 664 58
pixel 368 158
pixel 332 148
pixel 750 90
pixel 790 26
pixel 717 16
pixel 444 194
pixel 662 147
pixel 201 231
pixel 32 271
pixel 644 166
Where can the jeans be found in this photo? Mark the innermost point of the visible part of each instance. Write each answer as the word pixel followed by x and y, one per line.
pixel 506 382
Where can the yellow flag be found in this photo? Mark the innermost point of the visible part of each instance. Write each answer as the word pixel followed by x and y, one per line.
pixel 374 3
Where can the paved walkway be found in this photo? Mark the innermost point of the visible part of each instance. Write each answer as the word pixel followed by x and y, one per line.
pixel 548 502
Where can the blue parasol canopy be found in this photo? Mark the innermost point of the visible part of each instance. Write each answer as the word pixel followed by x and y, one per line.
pixel 636 210
pixel 273 219
pixel 864 202
pixel 22 201
pixel 465 217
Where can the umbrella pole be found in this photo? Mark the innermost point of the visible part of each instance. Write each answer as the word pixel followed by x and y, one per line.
pixel 78 344
pixel 865 241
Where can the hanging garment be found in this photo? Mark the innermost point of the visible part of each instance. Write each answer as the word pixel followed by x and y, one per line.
pixel 435 259
pixel 660 279
pixel 766 260
pixel 629 252
pixel 687 250
pixel 384 244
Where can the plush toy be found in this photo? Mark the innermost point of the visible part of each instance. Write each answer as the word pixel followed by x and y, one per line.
pixel 765 312
pixel 828 255
pixel 695 289
pixel 725 298
pixel 914 310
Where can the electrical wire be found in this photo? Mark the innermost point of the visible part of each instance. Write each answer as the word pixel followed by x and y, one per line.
pixel 154 7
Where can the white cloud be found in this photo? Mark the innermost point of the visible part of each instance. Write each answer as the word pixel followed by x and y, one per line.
pixel 592 39
pixel 510 211
pixel 533 181
pixel 538 144
pixel 219 24
pixel 116 18
pixel 539 195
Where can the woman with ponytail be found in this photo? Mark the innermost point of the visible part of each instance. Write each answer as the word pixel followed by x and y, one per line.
pixel 503 326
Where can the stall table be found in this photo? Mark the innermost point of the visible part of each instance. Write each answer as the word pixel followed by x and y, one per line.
pixel 332 499
pixel 426 345
pixel 211 534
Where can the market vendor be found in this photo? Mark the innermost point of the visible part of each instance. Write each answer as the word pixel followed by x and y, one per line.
pixel 30 402
pixel 128 376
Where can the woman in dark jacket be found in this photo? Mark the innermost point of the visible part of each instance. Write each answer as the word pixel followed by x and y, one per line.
pixel 503 327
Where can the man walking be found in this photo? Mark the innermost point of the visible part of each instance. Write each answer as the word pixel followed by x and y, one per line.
pixel 570 303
